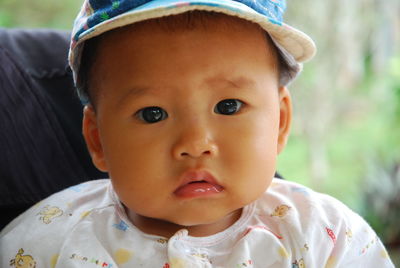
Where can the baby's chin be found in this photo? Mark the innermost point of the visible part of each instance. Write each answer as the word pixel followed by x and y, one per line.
pixel 198 223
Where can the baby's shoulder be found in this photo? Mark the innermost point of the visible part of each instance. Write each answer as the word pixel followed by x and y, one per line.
pixel 63 209
pixel 299 207
pixel 317 228
pixel 303 201
pixel 46 225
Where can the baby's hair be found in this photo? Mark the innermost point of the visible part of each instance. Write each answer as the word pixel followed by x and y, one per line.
pixel 287 70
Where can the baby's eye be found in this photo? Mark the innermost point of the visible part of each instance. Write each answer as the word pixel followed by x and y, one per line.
pixel 152 114
pixel 228 107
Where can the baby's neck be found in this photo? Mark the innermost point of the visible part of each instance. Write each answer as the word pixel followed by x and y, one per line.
pixel 168 229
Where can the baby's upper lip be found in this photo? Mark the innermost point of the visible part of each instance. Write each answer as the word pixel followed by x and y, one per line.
pixel 197 175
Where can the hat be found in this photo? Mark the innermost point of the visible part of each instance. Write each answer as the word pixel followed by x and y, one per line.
pixel 99 16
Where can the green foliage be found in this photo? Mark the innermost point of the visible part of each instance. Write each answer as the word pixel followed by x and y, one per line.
pixel 395 84
pixel 350 147
pixel 5 19
pixel 38 14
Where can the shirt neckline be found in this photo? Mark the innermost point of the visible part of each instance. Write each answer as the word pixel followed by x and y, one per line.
pixel 217 238
pixel 183 234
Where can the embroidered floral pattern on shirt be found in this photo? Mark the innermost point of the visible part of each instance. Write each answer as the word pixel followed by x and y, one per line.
pixel 49 213
pixel 121 226
pixel 369 245
pixel 91 260
pixel 122 255
pixel 298 264
pixel 22 261
pixel 247 263
pixel 349 235
pixel 162 240
pixel 281 211
pixel 331 234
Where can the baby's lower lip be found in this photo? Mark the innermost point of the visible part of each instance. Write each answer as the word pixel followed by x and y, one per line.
pixel 198 189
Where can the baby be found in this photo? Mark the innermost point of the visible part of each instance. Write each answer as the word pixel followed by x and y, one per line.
pixel 187 109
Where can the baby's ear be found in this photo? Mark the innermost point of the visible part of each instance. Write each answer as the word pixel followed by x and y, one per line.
pixel 285 117
pixel 92 137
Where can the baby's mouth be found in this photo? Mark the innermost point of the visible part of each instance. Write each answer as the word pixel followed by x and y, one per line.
pixel 197 183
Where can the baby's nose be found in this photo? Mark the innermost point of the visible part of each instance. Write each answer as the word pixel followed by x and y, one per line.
pixel 194 143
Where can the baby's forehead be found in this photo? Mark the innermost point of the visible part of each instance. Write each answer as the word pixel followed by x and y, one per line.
pixel 206 23
pixel 195 20
pixel 147 52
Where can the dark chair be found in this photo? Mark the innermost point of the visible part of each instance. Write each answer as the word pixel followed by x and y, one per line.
pixel 41 147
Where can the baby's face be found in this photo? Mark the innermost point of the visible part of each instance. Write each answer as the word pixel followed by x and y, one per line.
pixel 188 123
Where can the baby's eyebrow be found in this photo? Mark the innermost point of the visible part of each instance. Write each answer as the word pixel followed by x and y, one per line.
pixel 240 82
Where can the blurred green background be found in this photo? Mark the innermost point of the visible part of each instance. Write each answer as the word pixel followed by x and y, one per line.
pixel 345 138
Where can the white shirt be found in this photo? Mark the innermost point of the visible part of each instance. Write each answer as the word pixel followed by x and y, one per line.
pixel 289 226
